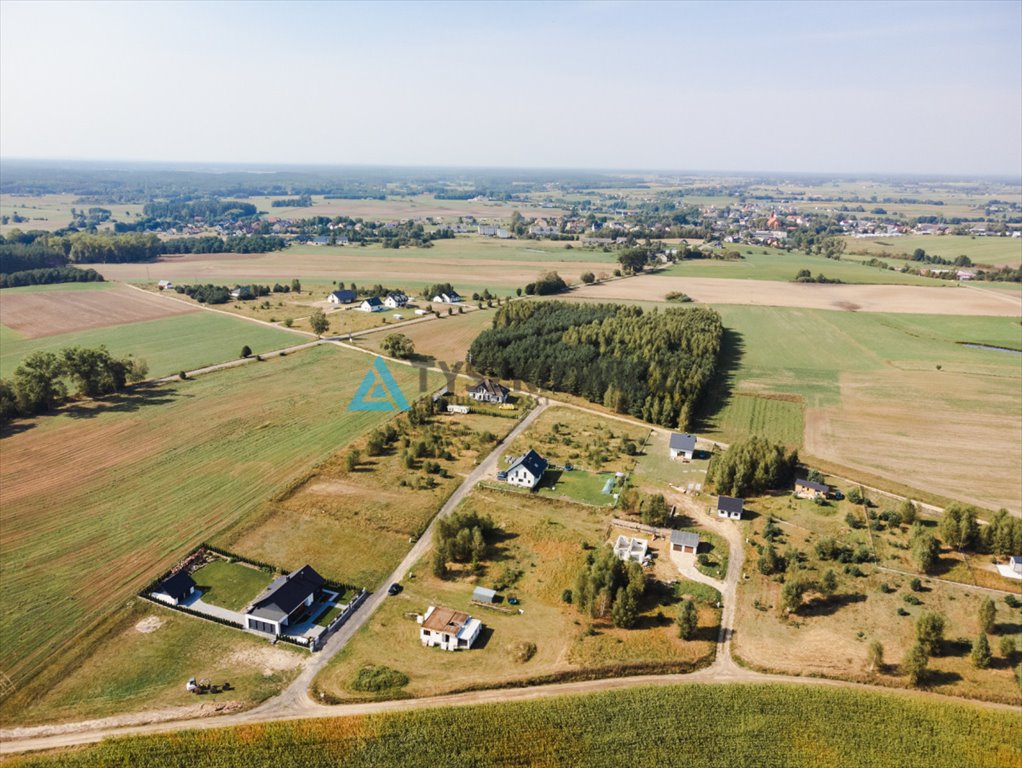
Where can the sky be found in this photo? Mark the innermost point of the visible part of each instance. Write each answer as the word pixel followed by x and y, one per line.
pixel 864 87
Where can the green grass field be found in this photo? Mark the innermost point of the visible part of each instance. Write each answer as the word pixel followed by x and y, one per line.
pixel 168 345
pixel 771 726
pixel 148 653
pixel 762 263
pixel 230 585
pixel 98 500
pixel 982 250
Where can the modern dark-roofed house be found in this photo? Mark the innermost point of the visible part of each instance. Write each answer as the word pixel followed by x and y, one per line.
pixel 527 470
pixel 342 297
pixel 175 589
pixel 372 304
pixel 728 506
pixel 284 600
pixel 810 489
pixel 684 541
pixel 683 445
pixel 489 391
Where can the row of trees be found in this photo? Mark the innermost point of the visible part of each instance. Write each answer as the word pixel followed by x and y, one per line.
pixel 751 466
pixel 652 365
pixel 44 380
pixel 49 275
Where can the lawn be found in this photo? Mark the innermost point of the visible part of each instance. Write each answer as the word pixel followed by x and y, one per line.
pixel 168 345
pixel 655 466
pixel 147 654
pixel 355 526
pixel 97 501
pixel 230 585
pixel 831 637
pixel 578 485
pixel 763 263
pixel 536 557
pixel 982 250
pixel 768 725
pixel 584 440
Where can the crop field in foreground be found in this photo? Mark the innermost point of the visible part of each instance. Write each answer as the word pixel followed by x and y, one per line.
pixel 167 334
pixel 773 726
pixel 97 501
pixel 982 250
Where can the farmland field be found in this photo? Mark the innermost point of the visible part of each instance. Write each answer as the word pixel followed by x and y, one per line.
pixel 924 299
pixel 773 726
pixel 98 500
pixel 982 250
pixel 32 313
pixel 537 557
pixel 874 379
pixel 355 526
pixel 446 340
pixel 763 263
pixel 470 263
pixel 170 345
pixel 400 207
pixel 52 212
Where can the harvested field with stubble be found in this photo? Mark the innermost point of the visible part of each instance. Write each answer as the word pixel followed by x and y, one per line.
pixel 446 340
pixel 896 299
pixel 97 501
pixel 35 314
pixel 966 443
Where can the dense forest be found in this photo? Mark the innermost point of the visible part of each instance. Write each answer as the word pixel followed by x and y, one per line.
pixel 47 275
pixel 651 365
pixel 21 251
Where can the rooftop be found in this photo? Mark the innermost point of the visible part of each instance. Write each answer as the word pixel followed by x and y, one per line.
pixel 685 539
pixel 730 504
pixel 682 441
pixel 445 620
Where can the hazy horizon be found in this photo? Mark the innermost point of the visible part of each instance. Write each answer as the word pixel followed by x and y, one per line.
pixel 899 89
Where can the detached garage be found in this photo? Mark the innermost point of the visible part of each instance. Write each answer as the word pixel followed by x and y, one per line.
pixel 684 541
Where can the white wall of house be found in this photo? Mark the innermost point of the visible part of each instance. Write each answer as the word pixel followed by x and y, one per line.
pixel 522 476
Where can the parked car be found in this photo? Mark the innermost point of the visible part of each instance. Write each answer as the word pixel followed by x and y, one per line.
pixel 837 495
pixel 394 589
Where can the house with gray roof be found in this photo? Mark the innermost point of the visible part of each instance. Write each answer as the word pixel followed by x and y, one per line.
pixel 728 506
pixel 285 602
pixel 683 446
pixel 527 470
pixel 489 391
pixel 810 489
pixel 684 541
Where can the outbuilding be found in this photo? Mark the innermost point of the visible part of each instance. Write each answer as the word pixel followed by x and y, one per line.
pixel 484 595
pixel 174 589
pixel 683 446
pixel 684 541
pixel 729 506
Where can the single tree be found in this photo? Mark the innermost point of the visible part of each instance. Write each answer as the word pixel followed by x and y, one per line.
pixel 624 612
pixel 980 655
pixel 439 565
pixel 351 459
pixel 930 632
pixel 246 351
pixel 914 664
pixel 688 620
pixel 987 615
pixel 398 345
pixel 1007 647
pixel 319 322
pixel 875 656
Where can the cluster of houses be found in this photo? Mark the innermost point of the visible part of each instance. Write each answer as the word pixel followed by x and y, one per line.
pixel 372 303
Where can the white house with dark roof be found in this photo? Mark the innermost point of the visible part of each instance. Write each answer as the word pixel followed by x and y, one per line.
pixel 395 300
pixel 729 506
pixel 341 297
pixel 683 446
pixel 489 391
pixel 448 629
pixel 684 541
pixel 372 304
pixel 447 298
pixel 285 601
pixel 175 589
pixel 526 471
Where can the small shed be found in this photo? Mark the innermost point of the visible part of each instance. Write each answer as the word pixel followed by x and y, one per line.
pixel 729 506
pixel 483 595
pixel 684 541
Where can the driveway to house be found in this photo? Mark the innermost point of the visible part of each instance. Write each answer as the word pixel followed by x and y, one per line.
pixel 294 700
pixel 208 609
